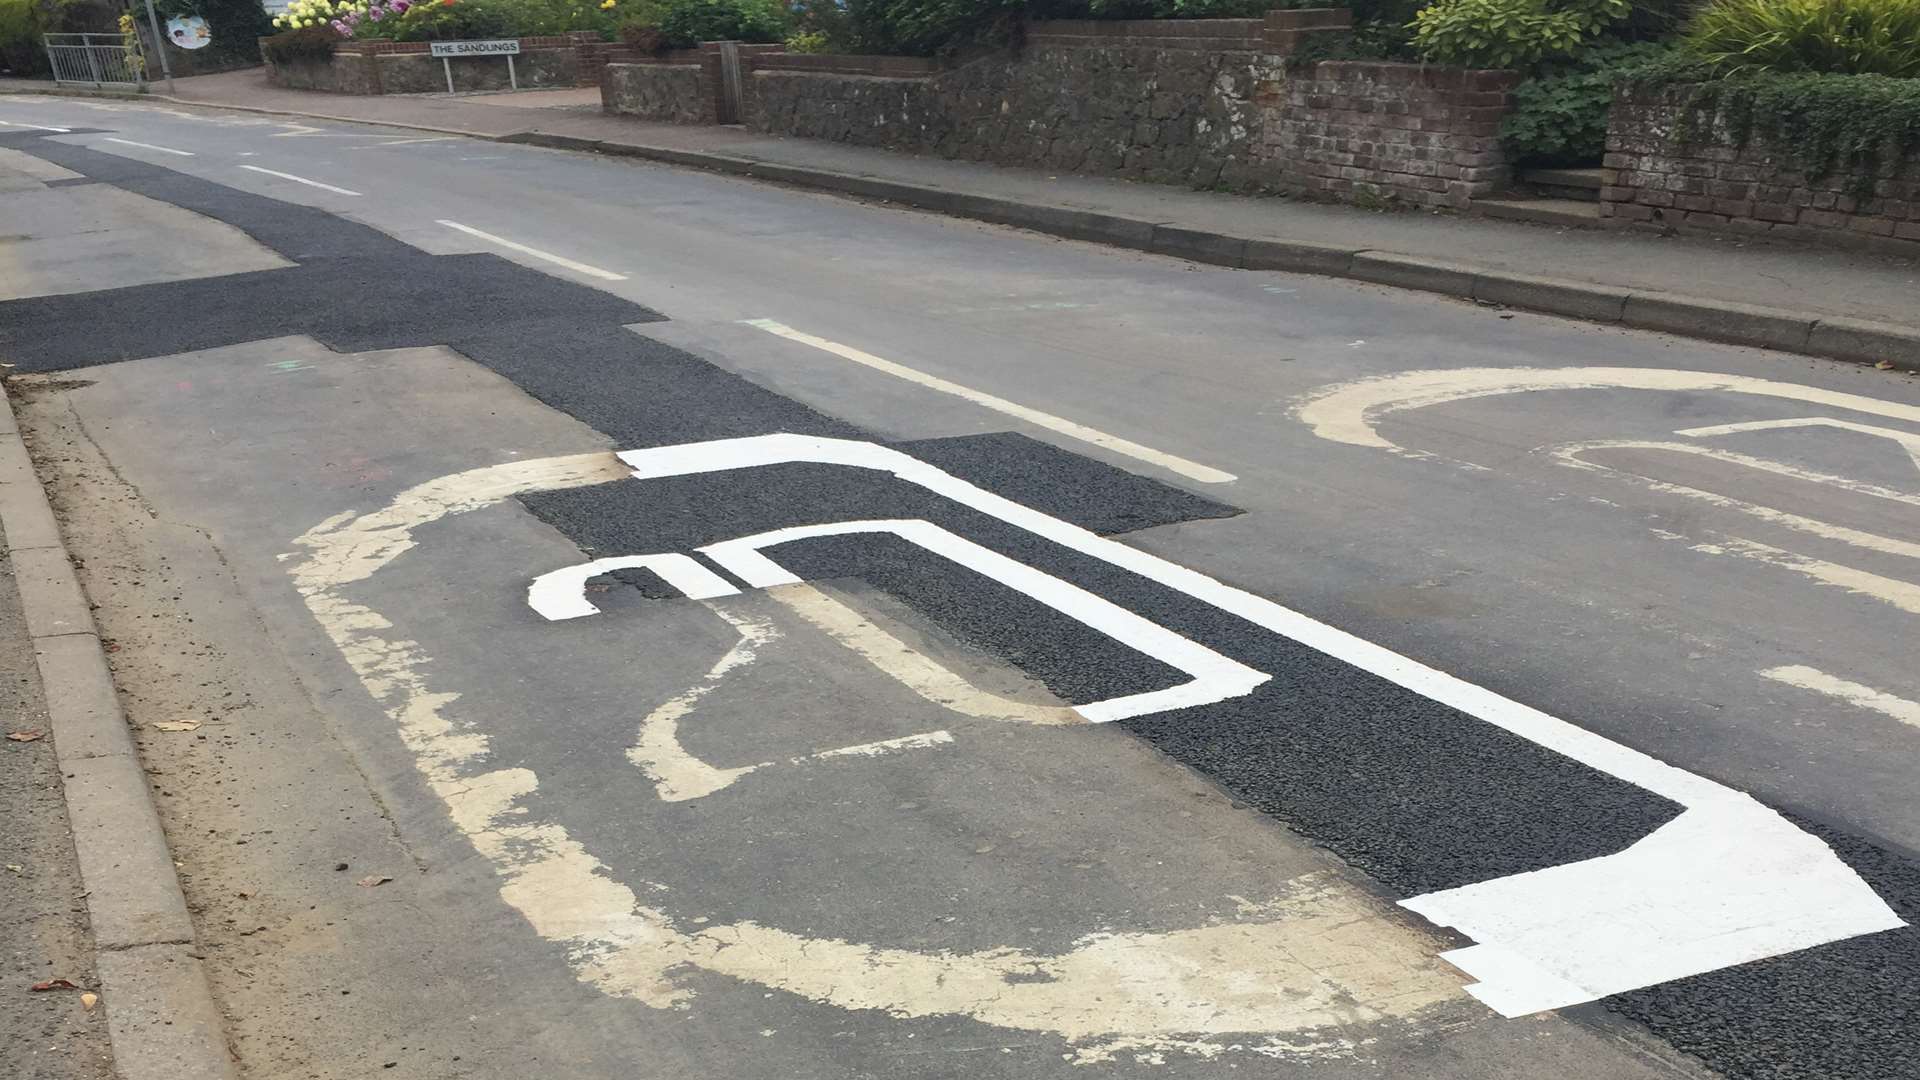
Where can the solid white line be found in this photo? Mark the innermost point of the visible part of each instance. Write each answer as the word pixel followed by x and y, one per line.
pixel 405 142
pixel 150 146
pixel 579 267
pixel 37 127
pixel 299 180
pixel 1192 470
pixel 1806 678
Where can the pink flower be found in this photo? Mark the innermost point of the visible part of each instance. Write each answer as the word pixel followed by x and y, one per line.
pixel 341 28
pixel 374 14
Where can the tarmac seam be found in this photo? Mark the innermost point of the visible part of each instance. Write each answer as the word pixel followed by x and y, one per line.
pixel 162 1020
pixel 1852 340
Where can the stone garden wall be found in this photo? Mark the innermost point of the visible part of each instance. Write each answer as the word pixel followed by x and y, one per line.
pixel 1207 103
pixel 404 67
pixel 1665 170
pixel 677 93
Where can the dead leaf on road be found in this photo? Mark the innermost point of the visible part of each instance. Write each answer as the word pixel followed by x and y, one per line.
pixel 177 725
pixel 29 735
pixel 88 1001
pixel 1885 365
pixel 372 880
pixel 55 984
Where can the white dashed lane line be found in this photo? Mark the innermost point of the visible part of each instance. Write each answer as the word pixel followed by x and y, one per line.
pixel 1192 470
pixel 149 146
pixel 548 256
pixel 300 180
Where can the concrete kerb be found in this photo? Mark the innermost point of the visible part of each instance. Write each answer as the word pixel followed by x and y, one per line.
pixel 1809 333
pixel 161 1016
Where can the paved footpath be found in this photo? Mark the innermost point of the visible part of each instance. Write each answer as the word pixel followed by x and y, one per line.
pixel 1749 280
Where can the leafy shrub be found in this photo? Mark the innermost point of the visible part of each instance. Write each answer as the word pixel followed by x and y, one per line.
pixel 1510 33
pixel 1840 37
pixel 1559 115
pixel 1823 121
pixel 303 43
pixel 689 22
pixel 644 37
pixel 809 41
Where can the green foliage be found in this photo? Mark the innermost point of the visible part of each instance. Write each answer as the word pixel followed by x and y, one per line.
pixel 689 22
pixel 808 41
pixel 1510 33
pixel 1824 122
pixel 1559 115
pixel 1839 37
pixel 306 43
pixel 926 27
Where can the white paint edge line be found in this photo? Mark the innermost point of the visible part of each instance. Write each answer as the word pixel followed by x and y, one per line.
pixel 557 260
pixel 150 146
pixel 1853 693
pixel 300 180
pixel 1192 470
pixel 405 142
pixel 37 127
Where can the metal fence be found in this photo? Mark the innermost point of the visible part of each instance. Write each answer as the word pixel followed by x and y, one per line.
pixel 94 59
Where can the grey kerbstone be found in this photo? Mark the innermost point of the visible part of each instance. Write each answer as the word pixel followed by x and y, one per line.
pixel 1718 320
pixel 133 895
pixel 1300 258
pixel 1407 272
pixel 24 512
pixel 1866 342
pixel 162 1017
pixel 81 703
pixel 1575 299
pixel 1199 245
pixel 50 595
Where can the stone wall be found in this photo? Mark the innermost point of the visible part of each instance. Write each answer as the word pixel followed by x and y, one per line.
pixel 405 67
pixel 1708 181
pixel 1207 103
pixel 1357 131
pixel 677 93
pixel 1154 100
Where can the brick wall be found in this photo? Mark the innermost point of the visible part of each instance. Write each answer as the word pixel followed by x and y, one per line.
pixel 1708 182
pixel 1360 130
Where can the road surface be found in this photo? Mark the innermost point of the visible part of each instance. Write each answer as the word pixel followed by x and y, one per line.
pixel 764 635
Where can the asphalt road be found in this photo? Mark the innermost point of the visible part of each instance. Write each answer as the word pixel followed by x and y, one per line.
pixel 1696 553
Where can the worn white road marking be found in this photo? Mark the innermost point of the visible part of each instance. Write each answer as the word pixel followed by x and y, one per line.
pixel 657 751
pixel 36 127
pixel 1904 595
pixel 1570 455
pixel 914 670
pixel 1213 677
pixel 885 746
pixel 1345 412
pixel 1910 440
pixel 1192 470
pixel 1323 958
pixel 300 180
pixel 1733 457
pixel 1807 678
pixel 150 146
pixel 548 256
pixel 1683 900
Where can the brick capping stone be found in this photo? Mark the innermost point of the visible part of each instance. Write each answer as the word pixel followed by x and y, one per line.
pixel 1709 181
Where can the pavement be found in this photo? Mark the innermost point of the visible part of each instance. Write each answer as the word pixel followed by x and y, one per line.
pixel 1841 304
pixel 987 655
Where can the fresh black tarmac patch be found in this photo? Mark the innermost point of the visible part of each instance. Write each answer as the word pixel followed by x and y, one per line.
pixel 1418 795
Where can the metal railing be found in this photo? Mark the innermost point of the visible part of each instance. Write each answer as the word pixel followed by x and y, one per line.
pixel 94 59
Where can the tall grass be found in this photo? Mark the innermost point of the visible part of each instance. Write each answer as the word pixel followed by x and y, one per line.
pixel 1848 37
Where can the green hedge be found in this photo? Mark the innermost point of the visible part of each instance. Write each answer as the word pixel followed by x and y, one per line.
pixel 1826 122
